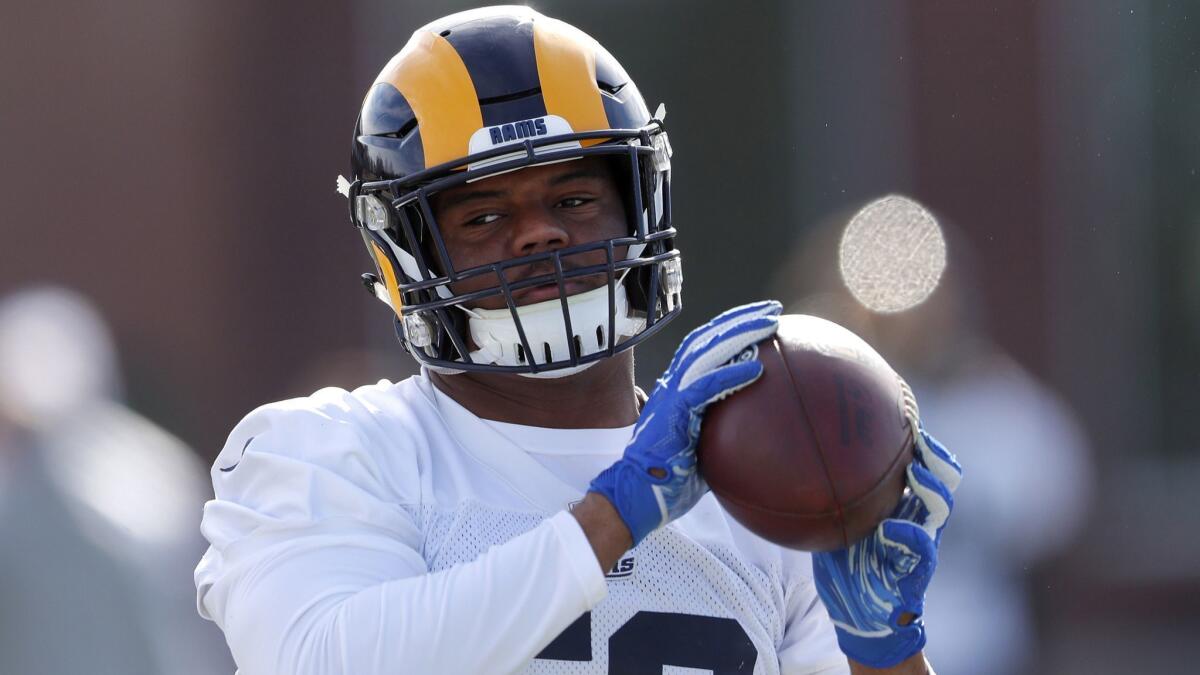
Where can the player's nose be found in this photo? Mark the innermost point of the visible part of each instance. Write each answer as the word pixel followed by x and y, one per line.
pixel 536 230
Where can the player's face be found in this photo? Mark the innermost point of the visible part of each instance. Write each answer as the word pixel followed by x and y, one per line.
pixel 534 210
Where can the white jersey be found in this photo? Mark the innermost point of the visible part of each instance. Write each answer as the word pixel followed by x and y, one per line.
pixel 389 530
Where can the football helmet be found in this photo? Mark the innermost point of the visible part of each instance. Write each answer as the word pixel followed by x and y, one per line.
pixel 490 91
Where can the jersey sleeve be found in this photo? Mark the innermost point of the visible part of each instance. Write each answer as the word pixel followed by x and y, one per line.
pixel 809 644
pixel 315 561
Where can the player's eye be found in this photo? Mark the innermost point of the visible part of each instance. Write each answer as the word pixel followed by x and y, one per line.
pixel 484 219
pixel 574 202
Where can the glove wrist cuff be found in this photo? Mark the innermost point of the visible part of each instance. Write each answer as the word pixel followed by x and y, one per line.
pixel 620 492
pixel 883 652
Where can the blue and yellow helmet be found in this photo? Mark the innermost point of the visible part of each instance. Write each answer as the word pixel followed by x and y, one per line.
pixel 494 90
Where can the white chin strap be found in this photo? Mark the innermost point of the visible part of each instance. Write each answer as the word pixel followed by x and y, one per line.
pixel 495 332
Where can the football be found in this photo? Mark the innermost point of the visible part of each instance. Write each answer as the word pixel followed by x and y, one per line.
pixel 812 455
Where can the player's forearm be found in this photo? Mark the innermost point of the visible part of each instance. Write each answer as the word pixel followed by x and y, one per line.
pixel 914 665
pixel 306 616
pixel 604 529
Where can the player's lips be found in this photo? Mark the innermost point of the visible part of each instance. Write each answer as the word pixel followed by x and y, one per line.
pixel 548 291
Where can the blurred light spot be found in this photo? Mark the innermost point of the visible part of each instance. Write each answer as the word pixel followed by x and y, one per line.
pixel 892 254
pixel 56 354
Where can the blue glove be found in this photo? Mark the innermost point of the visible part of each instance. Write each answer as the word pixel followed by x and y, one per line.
pixel 656 481
pixel 868 587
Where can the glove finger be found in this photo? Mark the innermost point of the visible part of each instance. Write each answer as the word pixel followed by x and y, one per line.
pixel 754 308
pixel 705 357
pixel 911 555
pixel 938 459
pixel 741 313
pixel 721 382
pixel 762 306
pixel 934 495
pixel 706 335
pixel 910 508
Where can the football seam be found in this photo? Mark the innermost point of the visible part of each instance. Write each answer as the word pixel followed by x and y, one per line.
pixel 882 480
pixel 840 511
pixel 789 515
pixel 842 508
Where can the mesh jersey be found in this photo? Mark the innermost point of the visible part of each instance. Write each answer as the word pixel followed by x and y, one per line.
pixel 390 530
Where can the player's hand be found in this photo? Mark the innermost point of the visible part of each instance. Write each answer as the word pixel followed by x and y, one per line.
pixel 657 481
pixel 875 590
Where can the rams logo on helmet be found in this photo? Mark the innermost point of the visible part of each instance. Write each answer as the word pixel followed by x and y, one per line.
pixel 517 130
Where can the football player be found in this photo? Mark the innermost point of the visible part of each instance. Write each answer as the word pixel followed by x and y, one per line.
pixel 520 506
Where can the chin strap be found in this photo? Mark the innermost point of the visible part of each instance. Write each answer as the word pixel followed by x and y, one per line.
pixel 495 332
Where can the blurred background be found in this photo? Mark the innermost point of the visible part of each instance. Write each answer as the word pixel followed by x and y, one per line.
pixel 174 254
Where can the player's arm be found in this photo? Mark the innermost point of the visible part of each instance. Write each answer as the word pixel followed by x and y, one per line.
pixel 604 529
pixel 316 565
pixel 875 590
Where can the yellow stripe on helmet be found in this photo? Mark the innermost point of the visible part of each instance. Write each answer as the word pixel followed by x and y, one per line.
pixel 389 277
pixel 435 82
pixel 566 63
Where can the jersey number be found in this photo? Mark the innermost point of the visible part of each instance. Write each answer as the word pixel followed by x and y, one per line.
pixel 650 640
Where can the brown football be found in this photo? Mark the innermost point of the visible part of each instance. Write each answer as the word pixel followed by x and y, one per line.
pixel 813 454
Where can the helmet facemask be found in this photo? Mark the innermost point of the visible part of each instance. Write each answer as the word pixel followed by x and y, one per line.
pixel 447 331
